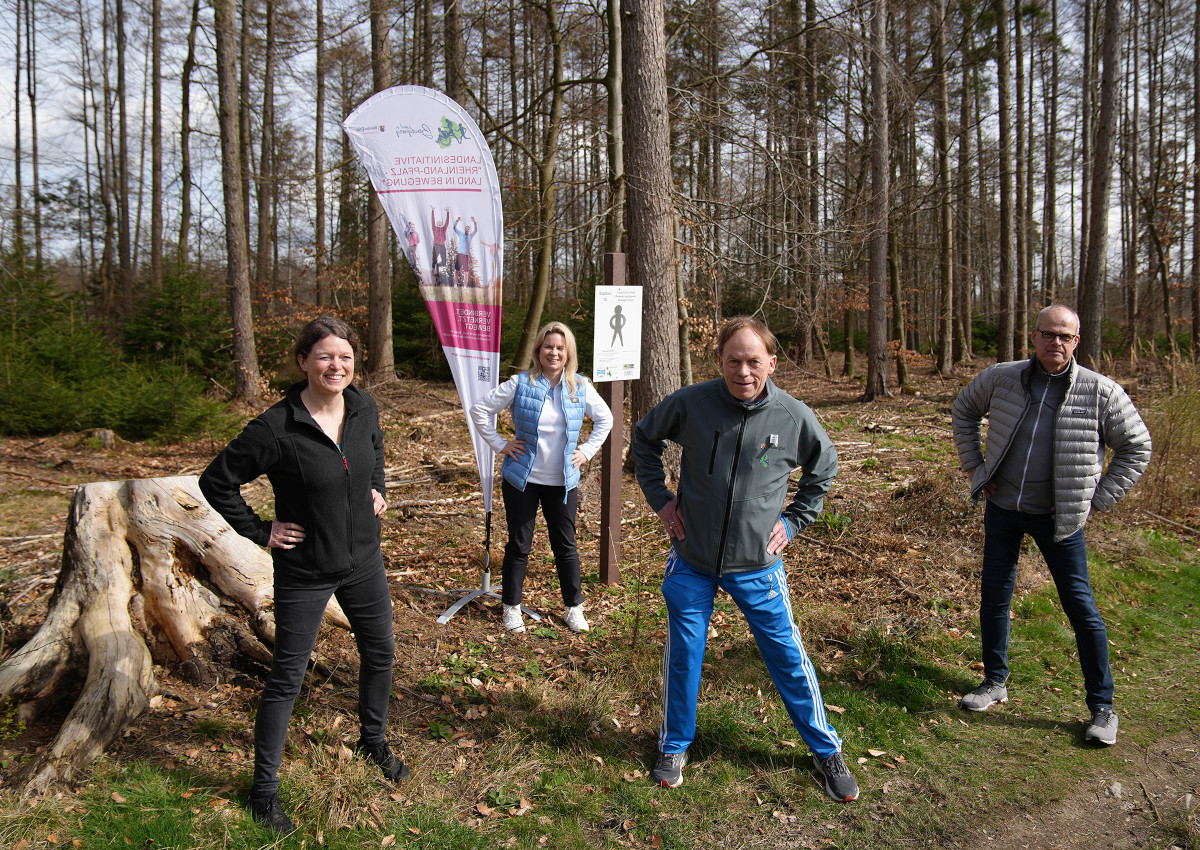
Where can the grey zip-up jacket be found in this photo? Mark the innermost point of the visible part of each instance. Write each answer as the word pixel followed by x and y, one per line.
pixel 1094 415
pixel 737 460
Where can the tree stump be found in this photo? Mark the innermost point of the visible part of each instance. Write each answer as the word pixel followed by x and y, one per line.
pixel 149 573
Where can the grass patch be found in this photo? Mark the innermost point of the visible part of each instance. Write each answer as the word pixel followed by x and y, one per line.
pixel 560 759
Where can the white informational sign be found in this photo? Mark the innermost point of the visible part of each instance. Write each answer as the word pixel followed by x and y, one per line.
pixel 617 350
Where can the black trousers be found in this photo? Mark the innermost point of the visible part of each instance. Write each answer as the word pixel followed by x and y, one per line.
pixel 367 602
pixel 520 509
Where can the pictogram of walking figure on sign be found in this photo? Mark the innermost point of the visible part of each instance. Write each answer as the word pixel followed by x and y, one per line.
pixel 617 323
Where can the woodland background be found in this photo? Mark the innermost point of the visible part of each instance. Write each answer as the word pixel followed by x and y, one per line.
pixel 877 177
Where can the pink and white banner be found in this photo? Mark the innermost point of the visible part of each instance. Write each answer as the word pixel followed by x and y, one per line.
pixel 435 177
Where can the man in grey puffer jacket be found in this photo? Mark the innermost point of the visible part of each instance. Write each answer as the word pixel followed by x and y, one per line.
pixel 1042 473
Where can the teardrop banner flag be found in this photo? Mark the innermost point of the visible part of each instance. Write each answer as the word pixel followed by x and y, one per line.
pixel 436 179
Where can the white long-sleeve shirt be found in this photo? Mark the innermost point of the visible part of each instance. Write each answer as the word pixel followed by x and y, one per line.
pixel 552 427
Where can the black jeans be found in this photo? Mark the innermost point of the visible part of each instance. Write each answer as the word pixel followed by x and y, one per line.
pixel 367 602
pixel 520 510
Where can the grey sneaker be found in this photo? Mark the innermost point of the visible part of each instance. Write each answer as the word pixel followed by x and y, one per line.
pixel 668 772
pixel 1103 729
pixel 840 783
pixel 985 696
pixel 575 620
pixel 513 621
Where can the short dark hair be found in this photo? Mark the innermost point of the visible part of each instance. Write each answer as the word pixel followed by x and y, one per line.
pixel 741 323
pixel 322 326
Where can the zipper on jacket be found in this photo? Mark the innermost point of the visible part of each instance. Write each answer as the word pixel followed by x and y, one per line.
pixel 712 461
pixel 737 453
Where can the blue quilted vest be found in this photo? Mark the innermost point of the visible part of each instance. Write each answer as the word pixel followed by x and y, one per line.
pixel 526 411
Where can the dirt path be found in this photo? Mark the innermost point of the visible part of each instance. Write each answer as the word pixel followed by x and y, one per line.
pixel 1148 802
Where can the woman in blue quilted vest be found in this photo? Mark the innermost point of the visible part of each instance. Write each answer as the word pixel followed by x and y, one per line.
pixel 541 464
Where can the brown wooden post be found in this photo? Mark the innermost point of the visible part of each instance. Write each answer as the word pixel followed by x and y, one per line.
pixel 611 461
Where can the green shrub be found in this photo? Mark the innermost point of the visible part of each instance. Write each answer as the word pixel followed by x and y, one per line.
pixel 59 372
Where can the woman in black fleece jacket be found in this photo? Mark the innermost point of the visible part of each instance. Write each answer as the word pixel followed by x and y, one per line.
pixel 322 450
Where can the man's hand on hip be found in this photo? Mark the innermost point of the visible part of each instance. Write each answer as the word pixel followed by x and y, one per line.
pixel 672 519
pixel 778 540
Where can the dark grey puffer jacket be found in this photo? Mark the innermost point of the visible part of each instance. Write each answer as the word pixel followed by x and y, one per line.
pixel 1095 414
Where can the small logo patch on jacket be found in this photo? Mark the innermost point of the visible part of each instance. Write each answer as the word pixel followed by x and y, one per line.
pixel 1079 411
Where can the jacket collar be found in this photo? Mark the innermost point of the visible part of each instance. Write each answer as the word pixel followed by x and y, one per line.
pixel 351 394
pixel 1032 364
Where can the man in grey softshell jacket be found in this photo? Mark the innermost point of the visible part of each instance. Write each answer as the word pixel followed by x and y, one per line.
pixel 1042 473
pixel 742 438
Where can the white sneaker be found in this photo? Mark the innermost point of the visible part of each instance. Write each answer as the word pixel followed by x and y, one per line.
pixel 513 621
pixel 575 620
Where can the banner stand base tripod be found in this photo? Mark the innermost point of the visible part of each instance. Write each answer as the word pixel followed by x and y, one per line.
pixel 485 587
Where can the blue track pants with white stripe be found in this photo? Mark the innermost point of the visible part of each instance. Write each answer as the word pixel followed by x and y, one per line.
pixel 763 598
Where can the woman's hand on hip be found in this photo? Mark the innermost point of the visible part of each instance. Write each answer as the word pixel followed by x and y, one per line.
pixel 578 459
pixel 285 535
pixel 379 502
pixel 513 449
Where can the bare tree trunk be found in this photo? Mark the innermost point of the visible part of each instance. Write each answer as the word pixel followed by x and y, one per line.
pixel 319 249
pixel 650 210
pixel 945 345
pixel 1020 211
pixel 614 230
pixel 124 246
pixel 243 106
pixel 18 194
pixel 156 164
pixel 1196 186
pixel 141 562
pixel 877 272
pixel 34 159
pixel 963 274
pixel 380 354
pixel 456 51
pixel 1005 330
pixel 899 330
pixel 264 272
pixel 1091 283
pixel 246 383
pixel 1050 276
pixel 185 135
pixel 1087 126
pixel 1132 217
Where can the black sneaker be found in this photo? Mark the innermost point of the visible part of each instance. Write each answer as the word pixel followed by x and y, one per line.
pixel 267 812
pixel 840 783
pixel 1103 728
pixel 380 753
pixel 668 771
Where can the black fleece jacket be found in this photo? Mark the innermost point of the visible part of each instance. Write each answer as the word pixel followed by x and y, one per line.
pixel 323 488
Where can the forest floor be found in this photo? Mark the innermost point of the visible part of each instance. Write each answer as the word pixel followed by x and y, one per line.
pixel 896 551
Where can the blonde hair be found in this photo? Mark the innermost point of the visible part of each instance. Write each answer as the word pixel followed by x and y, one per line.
pixel 572 364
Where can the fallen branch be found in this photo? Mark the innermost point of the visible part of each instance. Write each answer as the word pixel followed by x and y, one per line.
pixel 836 546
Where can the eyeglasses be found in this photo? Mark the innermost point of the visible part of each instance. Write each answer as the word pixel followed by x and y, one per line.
pixel 1050 336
